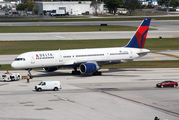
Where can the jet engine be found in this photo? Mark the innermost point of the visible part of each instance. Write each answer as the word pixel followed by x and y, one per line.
pixel 88 68
pixel 50 69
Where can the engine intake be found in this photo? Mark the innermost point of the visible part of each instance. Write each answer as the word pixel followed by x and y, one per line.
pixel 88 68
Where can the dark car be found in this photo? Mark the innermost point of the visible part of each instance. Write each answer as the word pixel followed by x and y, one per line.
pixel 167 84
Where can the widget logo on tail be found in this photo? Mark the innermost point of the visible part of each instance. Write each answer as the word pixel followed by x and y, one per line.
pixel 138 40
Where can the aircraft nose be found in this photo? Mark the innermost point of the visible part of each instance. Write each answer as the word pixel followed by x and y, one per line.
pixel 14 65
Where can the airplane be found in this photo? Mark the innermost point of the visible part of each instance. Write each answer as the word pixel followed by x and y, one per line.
pixel 89 61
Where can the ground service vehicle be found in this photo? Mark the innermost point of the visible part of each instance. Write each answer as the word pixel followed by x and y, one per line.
pixel 59 12
pixel 10 77
pixel 167 84
pixel 48 85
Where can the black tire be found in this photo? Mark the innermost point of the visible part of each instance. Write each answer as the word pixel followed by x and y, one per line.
pixel 161 86
pixel 39 89
pixel 99 73
pixel 55 89
pixel 76 72
pixel 174 86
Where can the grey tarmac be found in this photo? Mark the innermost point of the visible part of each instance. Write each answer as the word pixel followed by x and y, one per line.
pixel 83 35
pixel 119 94
pixel 165 29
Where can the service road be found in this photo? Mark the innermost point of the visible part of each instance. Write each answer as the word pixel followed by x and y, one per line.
pixel 165 29
pixel 83 35
pixel 158 24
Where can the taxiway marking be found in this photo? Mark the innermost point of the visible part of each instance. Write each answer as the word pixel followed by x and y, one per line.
pixel 168 111
pixel 170 55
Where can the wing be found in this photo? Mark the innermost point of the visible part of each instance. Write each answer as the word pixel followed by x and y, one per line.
pixel 102 62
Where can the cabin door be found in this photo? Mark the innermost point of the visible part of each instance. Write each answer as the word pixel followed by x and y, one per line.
pixel 61 58
pixel 131 55
pixel 33 60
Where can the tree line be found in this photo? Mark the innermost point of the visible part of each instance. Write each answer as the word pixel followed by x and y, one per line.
pixel 112 5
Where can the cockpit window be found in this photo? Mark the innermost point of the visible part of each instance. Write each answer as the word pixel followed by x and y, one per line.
pixel 19 59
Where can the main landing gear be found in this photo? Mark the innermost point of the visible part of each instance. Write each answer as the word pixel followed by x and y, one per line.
pixel 97 73
pixel 75 71
pixel 30 73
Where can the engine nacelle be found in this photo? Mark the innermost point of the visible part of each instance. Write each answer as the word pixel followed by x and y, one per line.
pixel 88 68
pixel 50 69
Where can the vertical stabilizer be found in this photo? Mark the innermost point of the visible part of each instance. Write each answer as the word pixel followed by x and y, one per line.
pixel 138 40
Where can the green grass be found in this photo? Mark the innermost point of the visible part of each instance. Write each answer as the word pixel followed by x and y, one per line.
pixel 17 47
pixel 40 29
pixel 6 67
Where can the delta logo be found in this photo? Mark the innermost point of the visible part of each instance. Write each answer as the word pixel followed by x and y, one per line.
pixel 44 56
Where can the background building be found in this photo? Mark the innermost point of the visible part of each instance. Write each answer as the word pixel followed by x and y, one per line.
pixel 148 2
pixel 70 7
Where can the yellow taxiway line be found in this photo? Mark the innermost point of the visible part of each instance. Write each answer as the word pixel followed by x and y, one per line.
pixel 170 55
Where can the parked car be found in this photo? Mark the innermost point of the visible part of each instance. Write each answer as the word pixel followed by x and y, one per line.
pixel 167 84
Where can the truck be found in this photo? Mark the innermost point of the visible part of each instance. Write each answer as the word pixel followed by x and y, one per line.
pixel 10 77
pixel 58 12
pixel 48 85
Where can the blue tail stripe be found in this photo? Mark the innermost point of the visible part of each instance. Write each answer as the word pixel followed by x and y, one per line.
pixel 133 43
pixel 143 37
pixel 146 22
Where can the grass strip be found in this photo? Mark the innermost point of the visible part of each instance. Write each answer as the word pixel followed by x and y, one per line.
pixel 18 47
pixel 80 28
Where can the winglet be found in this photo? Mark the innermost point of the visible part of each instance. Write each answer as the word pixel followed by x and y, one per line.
pixel 138 40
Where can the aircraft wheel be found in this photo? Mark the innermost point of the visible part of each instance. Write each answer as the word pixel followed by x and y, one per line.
pixel 76 72
pixel 97 73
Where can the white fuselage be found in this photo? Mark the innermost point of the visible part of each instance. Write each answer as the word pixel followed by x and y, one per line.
pixel 59 58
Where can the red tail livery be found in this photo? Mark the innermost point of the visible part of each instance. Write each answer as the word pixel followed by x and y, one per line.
pixel 138 40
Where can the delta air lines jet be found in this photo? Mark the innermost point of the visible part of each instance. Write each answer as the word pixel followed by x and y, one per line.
pixel 89 61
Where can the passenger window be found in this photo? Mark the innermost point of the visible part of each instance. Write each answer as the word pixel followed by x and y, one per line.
pixel 44 83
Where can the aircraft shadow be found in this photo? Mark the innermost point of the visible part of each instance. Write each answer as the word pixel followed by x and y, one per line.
pixel 58 73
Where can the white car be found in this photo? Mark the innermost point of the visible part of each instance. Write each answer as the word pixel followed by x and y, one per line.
pixel 48 85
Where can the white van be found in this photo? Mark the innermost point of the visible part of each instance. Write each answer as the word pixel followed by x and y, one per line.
pixel 48 85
